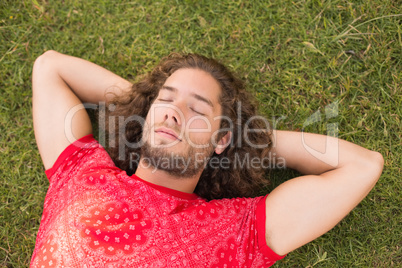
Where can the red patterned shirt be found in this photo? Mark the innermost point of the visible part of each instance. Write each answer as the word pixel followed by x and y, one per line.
pixel 95 215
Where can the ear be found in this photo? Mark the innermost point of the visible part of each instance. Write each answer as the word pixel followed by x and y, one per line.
pixel 224 143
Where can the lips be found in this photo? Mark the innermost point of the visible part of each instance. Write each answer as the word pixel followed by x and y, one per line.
pixel 168 133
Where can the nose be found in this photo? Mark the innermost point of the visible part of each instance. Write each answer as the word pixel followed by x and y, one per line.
pixel 173 115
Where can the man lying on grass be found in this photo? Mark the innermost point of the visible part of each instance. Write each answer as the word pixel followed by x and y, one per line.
pixel 178 185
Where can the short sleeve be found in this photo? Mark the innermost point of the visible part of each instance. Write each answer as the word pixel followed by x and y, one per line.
pixel 261 231
pixel 238 228
pixel 77 154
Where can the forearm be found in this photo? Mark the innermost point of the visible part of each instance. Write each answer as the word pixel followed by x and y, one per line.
pixel 89 82
pixel 60 85
pixel 339 174
pixel 316 154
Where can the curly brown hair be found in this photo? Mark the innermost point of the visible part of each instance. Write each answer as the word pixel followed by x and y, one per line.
pixel 232 180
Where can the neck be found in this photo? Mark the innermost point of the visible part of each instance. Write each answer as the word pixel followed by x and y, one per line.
pixel 162 178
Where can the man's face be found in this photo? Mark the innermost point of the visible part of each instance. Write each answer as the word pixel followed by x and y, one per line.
pixel 183 122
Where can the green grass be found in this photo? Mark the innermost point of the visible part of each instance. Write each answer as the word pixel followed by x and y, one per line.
pixel 297 57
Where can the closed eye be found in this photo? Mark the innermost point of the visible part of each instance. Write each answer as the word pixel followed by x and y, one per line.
pixel 165 100
pixel 197 112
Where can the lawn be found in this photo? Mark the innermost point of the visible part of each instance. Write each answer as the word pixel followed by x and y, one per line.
pixel 326 66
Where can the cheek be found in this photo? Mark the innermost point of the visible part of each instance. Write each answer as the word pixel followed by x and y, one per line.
pixel 199 126
pixel 149 122
pixel 145 130
pixel 201 129
pixel 154 115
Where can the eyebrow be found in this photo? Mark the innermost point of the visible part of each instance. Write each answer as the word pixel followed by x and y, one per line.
pixel 194 95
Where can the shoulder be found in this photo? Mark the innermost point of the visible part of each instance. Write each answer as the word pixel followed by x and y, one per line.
pixel 81 155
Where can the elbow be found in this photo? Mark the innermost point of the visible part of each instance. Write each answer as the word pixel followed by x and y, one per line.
pixel 49 53
pixel 44 58
pixel 378 159
pixel 44 68
pixel 43 65
pixel 375 165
